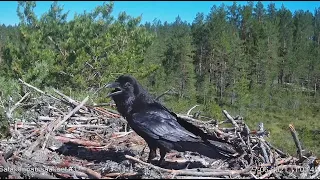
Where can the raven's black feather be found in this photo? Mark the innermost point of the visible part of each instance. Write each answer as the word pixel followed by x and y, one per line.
pixel 160 127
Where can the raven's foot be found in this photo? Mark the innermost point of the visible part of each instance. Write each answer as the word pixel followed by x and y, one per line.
pixel 150 159
pixel 152 155
pixel 141 153
pixel 161 162
pixel 162 156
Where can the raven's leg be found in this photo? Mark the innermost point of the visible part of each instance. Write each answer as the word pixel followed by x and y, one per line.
pixel 163 153
pixel 152 153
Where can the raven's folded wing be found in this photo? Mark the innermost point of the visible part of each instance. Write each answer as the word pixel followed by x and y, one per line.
pixel 185 124
pixel 214 142
pixel 160 124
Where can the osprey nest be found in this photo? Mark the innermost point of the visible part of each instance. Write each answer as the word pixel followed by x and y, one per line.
pixel 59 137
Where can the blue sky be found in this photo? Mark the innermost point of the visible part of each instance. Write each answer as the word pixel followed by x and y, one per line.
pixel 162 10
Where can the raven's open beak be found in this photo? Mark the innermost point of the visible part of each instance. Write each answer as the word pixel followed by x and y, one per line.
pixel 117 88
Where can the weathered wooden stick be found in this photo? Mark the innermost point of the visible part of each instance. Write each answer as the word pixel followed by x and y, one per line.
pixel 86 126
pixel 230 118
pixel 166 92
pixel 68 99
pixel 296 140
pixel 263 148
pixel 187 118
pixel 64 120
pixel 91 173
pixel 279 162
pixel 194 177
pixel 306 169
pixel 50 129
pixel 71 113
pixel 213 173
pixel 121 174
pixel 46 118
pixel 28 152
pixel 76 141
pixel 121 134
pixel 81 118
pixel 282 154
pixel 188 113
pixel 105 111
pixel 264 152
pixel 108 109
pixel 281 167
pixel 188 173
pixel 38 90
pixel 9 113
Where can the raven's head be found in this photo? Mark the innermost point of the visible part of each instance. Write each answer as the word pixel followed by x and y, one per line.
pixel 128 94
pixel 126 91
pixel 124 85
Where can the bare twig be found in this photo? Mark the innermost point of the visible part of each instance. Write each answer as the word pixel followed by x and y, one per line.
pixel 188 113
pixel 166 92
pixel 9 113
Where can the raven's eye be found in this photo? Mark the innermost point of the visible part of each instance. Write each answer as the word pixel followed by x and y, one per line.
pixel 127 85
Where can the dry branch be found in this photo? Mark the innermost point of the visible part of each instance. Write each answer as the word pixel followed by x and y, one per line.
pixel 38 90
pixel 76 141
pixel 296 140
pixel 9 113
pixel 188 113
pixel 190 173
pixel 282 167
pixel 230 118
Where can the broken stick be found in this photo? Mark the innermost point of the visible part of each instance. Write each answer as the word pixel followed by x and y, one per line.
pixel 230 118
pixel 296 140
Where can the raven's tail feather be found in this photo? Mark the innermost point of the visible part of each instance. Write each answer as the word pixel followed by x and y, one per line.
pixel 223 148
pixel 201 148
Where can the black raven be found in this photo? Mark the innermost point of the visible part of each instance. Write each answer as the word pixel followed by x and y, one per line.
pixel 158 126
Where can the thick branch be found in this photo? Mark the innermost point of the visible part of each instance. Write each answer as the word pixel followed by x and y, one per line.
pixel 230 118
pixel 296 140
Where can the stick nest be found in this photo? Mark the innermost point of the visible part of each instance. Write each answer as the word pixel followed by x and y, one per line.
pixel 58 137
